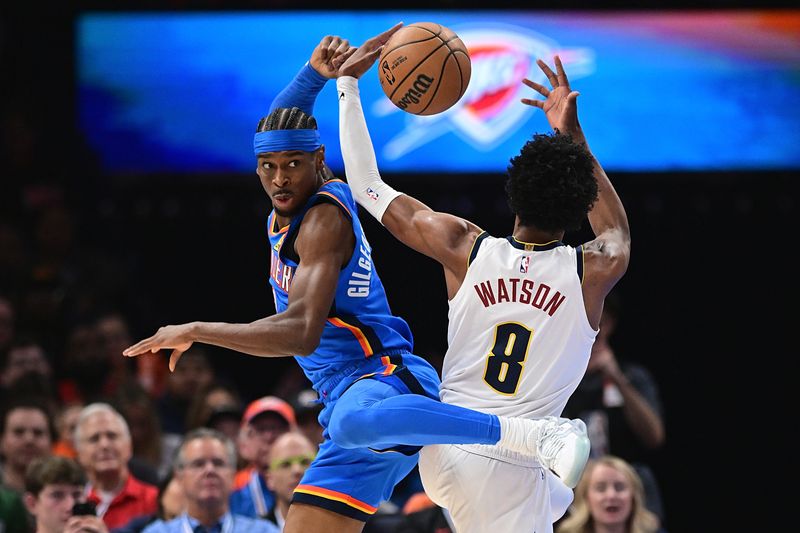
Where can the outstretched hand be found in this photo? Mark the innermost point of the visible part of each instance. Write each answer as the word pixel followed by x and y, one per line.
pixel 357 61
pixel 560 103
pixel 175 337
pixel 326 53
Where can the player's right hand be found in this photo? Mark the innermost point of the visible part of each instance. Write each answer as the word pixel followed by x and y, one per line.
pixel 327 51
pixel 178 338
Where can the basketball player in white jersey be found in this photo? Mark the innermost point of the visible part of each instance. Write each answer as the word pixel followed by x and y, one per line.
pixel 524 309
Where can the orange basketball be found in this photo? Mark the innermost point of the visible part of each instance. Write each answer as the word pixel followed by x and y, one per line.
pixel 424 68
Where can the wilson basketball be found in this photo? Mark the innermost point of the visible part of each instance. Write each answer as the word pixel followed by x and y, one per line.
pixel 424 68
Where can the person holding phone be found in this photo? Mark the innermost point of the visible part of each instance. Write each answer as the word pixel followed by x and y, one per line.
pixel 54 495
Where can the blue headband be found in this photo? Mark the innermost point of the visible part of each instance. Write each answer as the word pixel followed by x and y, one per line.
pixel 283 140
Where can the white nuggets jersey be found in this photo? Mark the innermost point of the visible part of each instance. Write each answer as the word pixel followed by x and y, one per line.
pixel 519 340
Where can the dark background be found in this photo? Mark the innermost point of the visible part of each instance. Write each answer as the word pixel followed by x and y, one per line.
pixel 707 301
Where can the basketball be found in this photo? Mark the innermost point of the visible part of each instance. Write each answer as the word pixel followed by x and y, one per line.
pixel 424 68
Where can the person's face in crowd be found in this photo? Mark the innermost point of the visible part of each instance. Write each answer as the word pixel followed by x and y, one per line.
pixel 104 445
pixel 193 374
pixel 609 495
pixel 25 359
pixel 114 337
pixel 228 426
pixel 290 457
pixel 206 475
pixel 53 506
pixel 67 420
pixel 25 437
pixel 261 432
pixel 141 424
pixel 173 500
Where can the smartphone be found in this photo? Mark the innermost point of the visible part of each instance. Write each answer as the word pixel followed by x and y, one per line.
pixel 84 508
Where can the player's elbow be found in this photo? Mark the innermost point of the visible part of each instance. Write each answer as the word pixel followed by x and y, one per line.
pixel 307 339
pixel 617 250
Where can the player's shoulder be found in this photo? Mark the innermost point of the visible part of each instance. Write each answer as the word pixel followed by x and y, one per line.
pixel 335 186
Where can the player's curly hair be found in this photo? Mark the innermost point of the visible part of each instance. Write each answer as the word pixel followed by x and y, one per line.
pixel 550 183
pixel 287 118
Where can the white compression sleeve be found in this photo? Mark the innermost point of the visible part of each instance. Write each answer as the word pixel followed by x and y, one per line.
pixel 361 167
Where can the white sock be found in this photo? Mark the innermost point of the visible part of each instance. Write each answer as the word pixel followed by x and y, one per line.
pixel 518 434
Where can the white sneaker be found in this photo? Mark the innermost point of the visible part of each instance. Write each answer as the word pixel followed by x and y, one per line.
pixel 563 447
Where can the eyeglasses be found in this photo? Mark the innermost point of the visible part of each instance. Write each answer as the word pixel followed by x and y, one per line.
pixel 199 464
pixel 284 464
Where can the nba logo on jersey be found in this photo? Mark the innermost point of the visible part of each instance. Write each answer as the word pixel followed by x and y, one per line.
pixel 372 194
pixel 523 264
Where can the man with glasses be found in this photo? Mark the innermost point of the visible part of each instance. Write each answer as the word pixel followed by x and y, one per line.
pixel 205 466
pixel 264 420
pixel 289 458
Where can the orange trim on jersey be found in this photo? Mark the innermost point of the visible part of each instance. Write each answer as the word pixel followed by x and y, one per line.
pixel 390 368
pixel 336 496
pixel 278 244
pixel 337 201
pixel 271 224
pixel 362 340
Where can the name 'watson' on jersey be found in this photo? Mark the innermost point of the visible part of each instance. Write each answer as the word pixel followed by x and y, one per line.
pixel 360 323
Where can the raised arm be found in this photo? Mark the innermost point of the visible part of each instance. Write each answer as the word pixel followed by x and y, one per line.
pixel 441 236
pixel 608 254
pixel 303 90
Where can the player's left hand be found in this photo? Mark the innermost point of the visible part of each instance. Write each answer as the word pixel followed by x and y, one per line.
pixel 356 62
pixel 328 49
pixel 179 338
pixel 560 104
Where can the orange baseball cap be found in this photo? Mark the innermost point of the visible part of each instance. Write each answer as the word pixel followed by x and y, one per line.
pixel 269 404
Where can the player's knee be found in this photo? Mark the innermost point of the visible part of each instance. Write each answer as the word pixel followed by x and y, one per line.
pixel 353 429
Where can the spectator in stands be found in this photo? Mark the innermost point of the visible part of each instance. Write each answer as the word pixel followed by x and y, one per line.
pixel 149 447
pixel 289 458
pixel 181 387
pixel 171 503
pixel 27 434
pixel 53 485
pixel 217 399
pixel 84 375
pixel 103 442
pixel 14 518
pixel 66 420
pixel 264 420
pixel 620 403
pixel 26 369
pixel 205 466
pixel 609 497
pixel 307 407
pixel 113 336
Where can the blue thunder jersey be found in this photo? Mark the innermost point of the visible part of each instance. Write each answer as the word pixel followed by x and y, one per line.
pixel 360 324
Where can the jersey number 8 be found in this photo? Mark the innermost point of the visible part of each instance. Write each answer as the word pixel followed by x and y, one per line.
pixel 507 357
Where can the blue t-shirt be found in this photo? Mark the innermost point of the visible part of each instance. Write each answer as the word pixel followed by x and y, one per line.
pixel 229 523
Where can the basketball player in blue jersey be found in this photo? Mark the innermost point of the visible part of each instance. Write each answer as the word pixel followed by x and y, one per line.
pixel 380 400
pixel 524 310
